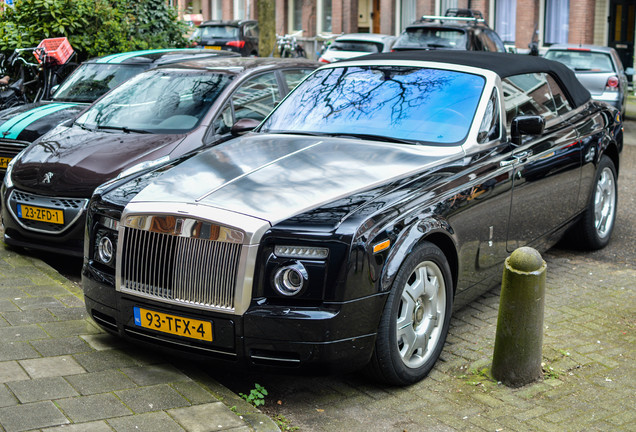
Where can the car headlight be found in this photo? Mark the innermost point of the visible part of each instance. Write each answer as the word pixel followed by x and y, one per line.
pixel 301 252
pixel 105 245
pixel 290 279
pixel 7 175
pixel 142 166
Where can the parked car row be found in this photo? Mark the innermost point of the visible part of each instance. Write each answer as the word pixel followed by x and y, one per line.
pixel 273 213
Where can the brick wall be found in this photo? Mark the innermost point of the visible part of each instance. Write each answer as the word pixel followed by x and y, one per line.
pixel 527 19
pixel 387 17
pixel 581 22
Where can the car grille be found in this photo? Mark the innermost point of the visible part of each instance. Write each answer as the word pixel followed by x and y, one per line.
pixel 180 269
pixel 72 208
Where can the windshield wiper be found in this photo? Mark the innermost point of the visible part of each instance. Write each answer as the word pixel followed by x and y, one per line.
pixel 124 129
pixel 369 137
pixel 83 126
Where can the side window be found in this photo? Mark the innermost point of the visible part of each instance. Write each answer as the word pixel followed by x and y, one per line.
pixel 490 128
pixel 256 97
pixel 496 40
pixel 528 94
pixel 488 44
pixel 223 123
pixel 561 104
pixel 294 76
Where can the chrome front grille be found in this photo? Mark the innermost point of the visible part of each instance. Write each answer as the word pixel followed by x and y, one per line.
pixel 189 262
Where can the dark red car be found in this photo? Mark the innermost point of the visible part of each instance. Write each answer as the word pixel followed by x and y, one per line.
pixel 154 117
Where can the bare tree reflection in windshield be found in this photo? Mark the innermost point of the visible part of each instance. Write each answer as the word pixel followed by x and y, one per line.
pixel 410 103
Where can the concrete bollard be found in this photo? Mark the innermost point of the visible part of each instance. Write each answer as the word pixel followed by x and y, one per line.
pixel 518 342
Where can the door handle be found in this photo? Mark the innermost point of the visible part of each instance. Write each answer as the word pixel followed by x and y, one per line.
pixel 520 157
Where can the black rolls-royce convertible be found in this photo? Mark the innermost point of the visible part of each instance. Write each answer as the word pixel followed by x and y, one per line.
pixel 381 194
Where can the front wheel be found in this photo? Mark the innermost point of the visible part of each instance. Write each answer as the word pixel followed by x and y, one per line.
pixel 415 319
pixel 597 223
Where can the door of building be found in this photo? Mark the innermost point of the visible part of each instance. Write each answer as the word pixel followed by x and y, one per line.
pixel 621 30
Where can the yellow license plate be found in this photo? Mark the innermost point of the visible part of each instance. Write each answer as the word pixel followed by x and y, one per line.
pixel 216 47
pixel 4 161
pixel 41 214
pixel 173 324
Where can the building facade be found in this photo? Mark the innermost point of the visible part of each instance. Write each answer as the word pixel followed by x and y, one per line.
pixel 598 22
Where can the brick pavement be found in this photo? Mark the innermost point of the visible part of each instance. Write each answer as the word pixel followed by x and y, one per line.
pixel 59 372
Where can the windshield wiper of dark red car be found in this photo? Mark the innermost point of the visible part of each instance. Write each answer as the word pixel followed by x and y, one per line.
pixel 124 129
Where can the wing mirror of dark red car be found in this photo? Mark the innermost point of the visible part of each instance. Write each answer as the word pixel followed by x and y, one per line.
pixel 244 125
pixel 525 125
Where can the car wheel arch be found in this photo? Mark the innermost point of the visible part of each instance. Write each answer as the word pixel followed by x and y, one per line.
pixel 435 231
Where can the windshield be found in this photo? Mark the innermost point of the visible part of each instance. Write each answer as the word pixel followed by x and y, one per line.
pixel 403 103
pixel 358 46
pixel 582 61
pixel 158 101
pixel 91 80
pixel 427 37
pixel 219 32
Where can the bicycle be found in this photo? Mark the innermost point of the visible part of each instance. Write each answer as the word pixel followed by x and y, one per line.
pixel 43 76
pixel 11 93
pixel 288 47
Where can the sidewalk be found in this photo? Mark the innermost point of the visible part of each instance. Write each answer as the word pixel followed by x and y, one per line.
pixel 60 372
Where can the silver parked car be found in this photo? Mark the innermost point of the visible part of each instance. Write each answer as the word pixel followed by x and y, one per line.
pixel 356 44
pixel 598 68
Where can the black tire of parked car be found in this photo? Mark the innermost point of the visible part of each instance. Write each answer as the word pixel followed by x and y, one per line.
pixel 388 363
pixel 589 235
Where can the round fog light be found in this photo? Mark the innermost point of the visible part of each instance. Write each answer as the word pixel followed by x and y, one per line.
pixel 290 279
pixel 105 250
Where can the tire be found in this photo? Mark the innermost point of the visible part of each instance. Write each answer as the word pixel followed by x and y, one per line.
pixel 415 320
pixel 597 222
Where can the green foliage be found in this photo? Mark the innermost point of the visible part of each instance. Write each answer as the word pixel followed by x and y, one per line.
pixel 93 27
pixel 283 424
pixel 256 396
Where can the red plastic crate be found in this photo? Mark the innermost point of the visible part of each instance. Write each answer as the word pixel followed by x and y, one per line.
pixel 58 51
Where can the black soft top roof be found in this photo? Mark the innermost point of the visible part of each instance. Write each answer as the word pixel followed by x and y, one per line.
pixel 502 64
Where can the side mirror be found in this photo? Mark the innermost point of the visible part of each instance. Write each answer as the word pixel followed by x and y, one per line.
pixel 526 125
pixel 244 125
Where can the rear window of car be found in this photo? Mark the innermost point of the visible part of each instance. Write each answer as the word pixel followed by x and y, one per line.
pixel 431 37
pixel 410 104
pixel 358 46
pixel 221 32
pixel 582 61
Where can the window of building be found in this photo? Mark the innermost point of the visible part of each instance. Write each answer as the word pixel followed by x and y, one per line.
pixel 505 19
pixel 295 19
pixel 444 5
pixel 557 15
pixel 216 9
pixel 324 16
pixel 407 13
pixel 239 9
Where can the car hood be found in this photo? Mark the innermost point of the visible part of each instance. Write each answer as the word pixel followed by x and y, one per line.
pixel 274 177
pixel 72 162
pixel 26 123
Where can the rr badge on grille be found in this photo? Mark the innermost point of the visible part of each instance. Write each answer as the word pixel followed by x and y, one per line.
pixel 47 177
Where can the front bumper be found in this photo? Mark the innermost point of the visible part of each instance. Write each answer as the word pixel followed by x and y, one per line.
pixel 68 239
pixel 328 338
